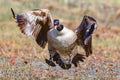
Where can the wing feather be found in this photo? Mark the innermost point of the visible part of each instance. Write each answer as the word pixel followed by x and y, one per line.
pixel 35 23
pixel 84 33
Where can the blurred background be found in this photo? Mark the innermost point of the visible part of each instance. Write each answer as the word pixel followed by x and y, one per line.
pixel 18 50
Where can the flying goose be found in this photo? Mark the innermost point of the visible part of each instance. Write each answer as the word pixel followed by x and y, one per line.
pixel 61 40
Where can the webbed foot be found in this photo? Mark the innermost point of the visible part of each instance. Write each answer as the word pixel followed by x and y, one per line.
pixel 77 58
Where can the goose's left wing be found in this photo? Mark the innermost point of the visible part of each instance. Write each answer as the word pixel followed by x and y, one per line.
pixel 84 33
pixel 35 23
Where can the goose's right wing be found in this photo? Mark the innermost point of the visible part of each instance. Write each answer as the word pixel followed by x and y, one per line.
pixel 35 23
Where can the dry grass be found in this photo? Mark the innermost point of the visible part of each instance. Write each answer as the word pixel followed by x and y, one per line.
pixel 19 55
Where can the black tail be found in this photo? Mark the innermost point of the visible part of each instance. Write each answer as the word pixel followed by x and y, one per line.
pixel 13 13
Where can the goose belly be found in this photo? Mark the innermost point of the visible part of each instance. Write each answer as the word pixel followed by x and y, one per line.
pixel 62 42
pixel 65 42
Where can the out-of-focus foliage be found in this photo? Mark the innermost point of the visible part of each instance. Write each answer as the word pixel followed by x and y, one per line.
pixel 103 10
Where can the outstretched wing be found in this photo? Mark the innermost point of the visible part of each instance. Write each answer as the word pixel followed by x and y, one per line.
pixel 84 33
pixel 35 23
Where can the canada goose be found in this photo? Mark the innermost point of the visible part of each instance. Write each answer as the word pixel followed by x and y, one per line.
pixel 61 40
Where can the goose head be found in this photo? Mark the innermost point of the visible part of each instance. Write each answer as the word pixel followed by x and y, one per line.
pixel 59 27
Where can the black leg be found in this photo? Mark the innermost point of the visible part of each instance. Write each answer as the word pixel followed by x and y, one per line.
pixel 50 61
pixel 59 61
pixel 77 58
